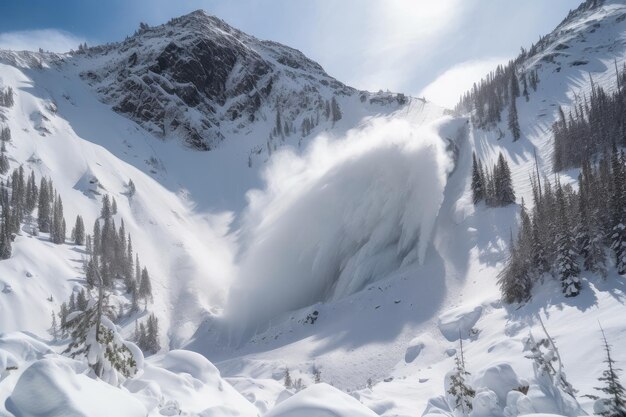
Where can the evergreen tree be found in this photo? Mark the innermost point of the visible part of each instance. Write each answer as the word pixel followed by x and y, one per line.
pixel 495 186
pixel 143 337
pixel 288 383
pixel 539 258
pixel 128 268
pixel 54 327
pixel 618 235
pixel 44 211
pixel 145 286
pixel 335 110
pixel 525 85
pixel 567 267
pixel 97 239
pixel 134 299
pixel 549 373
pixel 72 303
pixel 81 301
pixel 5 134
pixel 5 232
pixel 63 313
pixel 137 334
pixel 588 235
pixel 513 119
pixel 32 193
pixel 4 160
pixel 478 191
pixel 515 280
pixel 120 252
pixel 278 128
pixel 534 80
pixel 514 84
pixel 78 232
pixel 460 390
pixel 105 212
pixel 137 271
pixel 57 231
pixel 152 334
pixel 91 269
pixel 504 184
pixel 317 375
pixel 615 404
pixel 94 337
pixel 131 188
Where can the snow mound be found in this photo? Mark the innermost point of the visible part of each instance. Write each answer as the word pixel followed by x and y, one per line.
pixel 50 387
pixel 321 400
pixel 518 404
pixel 187 382
pixel 485 404
pixel 437 407
pixel 459 321
pixel 22 347
pixel 414 349
pixel 347 213
pixel 500 379
pixel 192 363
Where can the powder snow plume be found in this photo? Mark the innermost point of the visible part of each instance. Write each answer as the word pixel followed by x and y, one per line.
pixel 348 212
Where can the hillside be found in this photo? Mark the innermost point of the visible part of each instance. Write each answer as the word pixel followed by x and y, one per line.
pixel 291 224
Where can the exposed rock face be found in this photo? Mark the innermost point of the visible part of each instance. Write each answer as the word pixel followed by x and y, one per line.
pixel 196 77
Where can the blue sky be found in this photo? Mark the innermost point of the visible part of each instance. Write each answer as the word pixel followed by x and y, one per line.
pixel 431 47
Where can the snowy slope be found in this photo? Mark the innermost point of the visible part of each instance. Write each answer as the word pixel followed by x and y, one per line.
pixel 62 130
pixel 355 252
pixel 400 333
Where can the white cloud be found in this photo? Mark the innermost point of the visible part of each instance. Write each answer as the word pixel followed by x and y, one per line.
pixel 446 89
pixel 372 44
pixel 52 40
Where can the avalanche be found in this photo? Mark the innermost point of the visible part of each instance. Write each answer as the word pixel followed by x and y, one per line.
pixel 348 212
pixel 335 270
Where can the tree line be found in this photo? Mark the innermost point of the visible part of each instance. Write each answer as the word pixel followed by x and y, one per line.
pixel 19 198
pixel 282 128
pixel 88 318
pixel 6 97
pixel 592 125
pixel 499 90
pixel 569 230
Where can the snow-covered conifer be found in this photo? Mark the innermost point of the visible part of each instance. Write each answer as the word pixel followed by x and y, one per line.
pixel 614 405
pixel 460 390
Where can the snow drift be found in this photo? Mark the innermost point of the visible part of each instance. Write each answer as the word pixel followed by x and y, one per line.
pixel 346 213
pixel 321 400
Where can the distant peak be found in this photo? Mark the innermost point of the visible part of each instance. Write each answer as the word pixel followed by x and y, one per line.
pixel 200 19
pixel 196 15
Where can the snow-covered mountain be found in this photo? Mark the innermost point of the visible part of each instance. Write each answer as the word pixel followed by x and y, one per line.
pixel 200 80
pixel 290 223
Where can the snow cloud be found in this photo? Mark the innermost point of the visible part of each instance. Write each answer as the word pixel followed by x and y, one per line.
pixel 346 213
pixel 448 87
pixel 47 39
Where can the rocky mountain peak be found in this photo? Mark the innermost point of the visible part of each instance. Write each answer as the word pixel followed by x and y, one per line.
pixel 196 77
